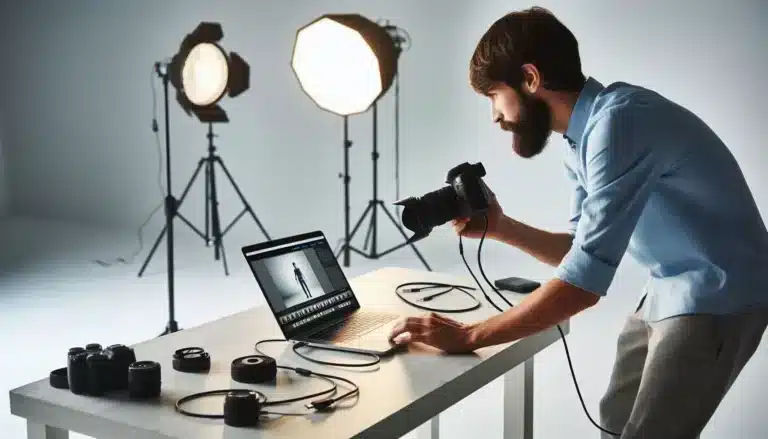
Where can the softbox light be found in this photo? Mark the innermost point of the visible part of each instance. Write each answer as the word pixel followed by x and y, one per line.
pixel 344 62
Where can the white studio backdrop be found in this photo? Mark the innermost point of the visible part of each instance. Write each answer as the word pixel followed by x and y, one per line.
pixel 77 106
pixel 82 148
pixel 4 201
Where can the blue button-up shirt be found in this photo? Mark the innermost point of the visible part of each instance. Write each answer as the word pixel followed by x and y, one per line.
pixel 652 180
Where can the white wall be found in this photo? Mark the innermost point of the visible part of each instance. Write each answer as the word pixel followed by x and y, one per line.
pixel 79 140
pixel 79 104
pixel 4 202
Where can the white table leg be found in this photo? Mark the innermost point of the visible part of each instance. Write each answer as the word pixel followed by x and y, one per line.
pixel 433 430
pixel 518 402
pixel 40 431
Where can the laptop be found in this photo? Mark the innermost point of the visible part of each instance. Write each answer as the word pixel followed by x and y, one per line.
pixel 311 299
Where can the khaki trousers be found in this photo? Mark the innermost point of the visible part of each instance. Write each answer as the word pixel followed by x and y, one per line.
pixel 670 376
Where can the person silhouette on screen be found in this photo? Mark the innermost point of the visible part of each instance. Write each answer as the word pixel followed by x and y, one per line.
pixel 300 279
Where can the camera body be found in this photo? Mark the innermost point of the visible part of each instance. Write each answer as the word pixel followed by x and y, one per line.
pixel 95 372
pixel 465 197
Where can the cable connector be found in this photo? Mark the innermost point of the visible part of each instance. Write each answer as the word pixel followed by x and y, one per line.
pixel 321 405
pixel 303 372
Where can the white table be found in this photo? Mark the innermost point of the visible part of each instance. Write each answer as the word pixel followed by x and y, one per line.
pixel 406 391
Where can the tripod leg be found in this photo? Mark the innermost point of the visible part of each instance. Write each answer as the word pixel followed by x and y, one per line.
pixel 357 226
pixel 242 197
pixel 175 213
pixel 207 198
pixel 370 231
pixel 223 257
pixel 152 252
pixel 215 215
pixel 190 183
pixel 397 226
pixel 360 221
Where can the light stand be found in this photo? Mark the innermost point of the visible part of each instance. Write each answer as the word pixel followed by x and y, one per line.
pixel 212 217
pixel 170 207
pixel 198 92
pixel 345 63
pixel 375 203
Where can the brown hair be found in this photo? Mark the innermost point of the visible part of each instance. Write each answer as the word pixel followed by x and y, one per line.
pixel 532 36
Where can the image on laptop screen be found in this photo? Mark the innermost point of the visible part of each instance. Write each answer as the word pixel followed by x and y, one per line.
pixel 301 280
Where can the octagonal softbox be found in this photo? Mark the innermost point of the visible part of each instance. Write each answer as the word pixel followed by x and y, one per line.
pixel 344 62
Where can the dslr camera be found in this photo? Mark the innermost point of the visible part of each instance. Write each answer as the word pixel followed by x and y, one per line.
pixel 95 371
pixel 465 197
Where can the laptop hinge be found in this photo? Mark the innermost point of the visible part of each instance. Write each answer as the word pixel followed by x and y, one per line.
pixel 330 324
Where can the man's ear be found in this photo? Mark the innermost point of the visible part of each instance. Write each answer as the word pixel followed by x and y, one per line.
pixel 531 78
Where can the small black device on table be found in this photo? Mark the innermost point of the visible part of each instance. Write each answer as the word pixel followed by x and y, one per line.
pixel 517 284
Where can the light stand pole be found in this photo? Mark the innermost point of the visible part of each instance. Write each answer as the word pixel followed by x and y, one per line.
pixel 347 145
pixel 170 206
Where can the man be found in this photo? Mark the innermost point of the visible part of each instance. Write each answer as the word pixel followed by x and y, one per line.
pixel 300 279
pixel 649 178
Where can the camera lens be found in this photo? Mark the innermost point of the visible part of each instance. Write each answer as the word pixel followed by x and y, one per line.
pixel 144 379
pixel 434 209
pixel 99 374
pixel 77 371
pixel 121 357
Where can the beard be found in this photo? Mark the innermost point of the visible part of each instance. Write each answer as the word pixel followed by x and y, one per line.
pixel 532 131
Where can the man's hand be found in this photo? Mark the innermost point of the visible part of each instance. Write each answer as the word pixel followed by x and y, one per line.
pixel 474 227
pixel 435 330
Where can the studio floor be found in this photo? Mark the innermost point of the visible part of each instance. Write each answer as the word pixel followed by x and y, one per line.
pixel 53 296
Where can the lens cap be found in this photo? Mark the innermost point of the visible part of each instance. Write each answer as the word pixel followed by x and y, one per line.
pixel 191 360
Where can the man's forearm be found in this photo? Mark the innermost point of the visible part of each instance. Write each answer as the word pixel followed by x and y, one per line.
pixel 547 247
pixel 552 303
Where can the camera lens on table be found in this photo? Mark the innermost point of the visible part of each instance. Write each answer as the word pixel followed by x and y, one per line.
pixel 77 371
pixel 99 374
pixel 144 379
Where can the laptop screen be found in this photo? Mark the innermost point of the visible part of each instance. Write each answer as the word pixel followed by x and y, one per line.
pixel 302 281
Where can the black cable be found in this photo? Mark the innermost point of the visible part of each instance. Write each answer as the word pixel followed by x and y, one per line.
pixel 317 405
pixel 433 285
pixel 482 271
pixel 397 147
pixel 324 403
pixel 297 345
pixel 320 405
pixel 562 334
pixel 461 252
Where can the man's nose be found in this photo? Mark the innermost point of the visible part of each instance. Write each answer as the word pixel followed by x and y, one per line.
pixel 496 116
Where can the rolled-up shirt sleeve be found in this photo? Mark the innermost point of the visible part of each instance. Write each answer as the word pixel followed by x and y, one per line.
pixel 620 170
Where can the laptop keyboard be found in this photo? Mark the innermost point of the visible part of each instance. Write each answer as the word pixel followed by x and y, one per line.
pixel 355 326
